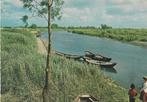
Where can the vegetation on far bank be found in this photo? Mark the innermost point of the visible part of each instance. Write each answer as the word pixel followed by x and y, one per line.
pixel 120 34
pixel 134 35
pixel 23 74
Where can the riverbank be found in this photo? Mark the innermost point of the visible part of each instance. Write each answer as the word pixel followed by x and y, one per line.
pixel 139 43
pixel 132 36
pixel 23 74
pixel 41 47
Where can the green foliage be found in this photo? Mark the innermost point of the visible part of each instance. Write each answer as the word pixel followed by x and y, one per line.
pixel 23 74
pixel 104 26
pixel 19 63
pixel 33 26
pixel 118 34
pixel 24 20
pixel 54 26
pixel 40 7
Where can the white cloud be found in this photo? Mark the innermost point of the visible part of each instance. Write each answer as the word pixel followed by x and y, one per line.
pixel 97 13
pixel 81 14
pixel 17 3
pixel 92 12
pixel 130 5
pixel 86 14
pixel 84 18
pixel 131 11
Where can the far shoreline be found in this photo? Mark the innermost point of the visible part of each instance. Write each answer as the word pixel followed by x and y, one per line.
pixel 139 43
pixel 135 43
pixel 94 33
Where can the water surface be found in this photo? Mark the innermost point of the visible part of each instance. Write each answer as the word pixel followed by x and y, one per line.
pixel 131 59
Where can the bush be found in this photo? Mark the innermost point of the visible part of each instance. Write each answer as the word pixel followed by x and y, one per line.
pixel 33 26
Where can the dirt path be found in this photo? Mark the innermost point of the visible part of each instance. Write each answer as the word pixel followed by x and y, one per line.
pixel 41 47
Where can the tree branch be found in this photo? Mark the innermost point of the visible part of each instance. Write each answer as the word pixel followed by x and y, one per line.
pixel 50 4
pixel 41 15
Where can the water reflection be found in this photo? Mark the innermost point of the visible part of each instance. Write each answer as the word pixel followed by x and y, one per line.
pixel 111 70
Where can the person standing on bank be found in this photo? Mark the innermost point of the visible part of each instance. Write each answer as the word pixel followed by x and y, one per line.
pixel 144 89
pixel 132 93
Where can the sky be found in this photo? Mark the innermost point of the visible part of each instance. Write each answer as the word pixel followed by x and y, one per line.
pixel 116 13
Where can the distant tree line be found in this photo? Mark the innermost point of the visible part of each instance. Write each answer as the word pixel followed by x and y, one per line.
pixel 56 26
pixel 80 27
pixel 104 26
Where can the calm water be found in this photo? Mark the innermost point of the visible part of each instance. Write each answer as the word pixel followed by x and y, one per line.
pixel 132 60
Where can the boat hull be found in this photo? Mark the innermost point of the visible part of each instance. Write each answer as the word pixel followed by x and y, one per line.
pixel 97 56
pixel 100 63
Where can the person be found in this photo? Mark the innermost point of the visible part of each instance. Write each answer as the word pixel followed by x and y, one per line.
pixel 144 89
pixel 132 93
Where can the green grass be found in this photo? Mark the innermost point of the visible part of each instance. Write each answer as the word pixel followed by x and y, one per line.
pixel 23 74
pixel 46 29
pixel 117 34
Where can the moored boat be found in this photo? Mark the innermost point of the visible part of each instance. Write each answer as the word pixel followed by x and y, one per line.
pixel 100 63
pixel 97 56
pixel 88 59
pixel 69 56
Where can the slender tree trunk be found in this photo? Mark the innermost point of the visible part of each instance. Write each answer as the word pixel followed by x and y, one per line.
pixel 48 67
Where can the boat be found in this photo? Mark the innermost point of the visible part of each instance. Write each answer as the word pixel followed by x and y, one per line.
pixel 88 59
pixel 100 63
pixel 69 56
pixel 85 98
pixel 97 56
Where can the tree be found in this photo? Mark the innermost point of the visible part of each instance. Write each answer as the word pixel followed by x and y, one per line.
pixel 24 19
pixel 54 26
pixel 33 26
pixel 49 10
pixel 104 26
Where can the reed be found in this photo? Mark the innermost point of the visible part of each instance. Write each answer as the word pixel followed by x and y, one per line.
pixel 117 34
pixel 23 74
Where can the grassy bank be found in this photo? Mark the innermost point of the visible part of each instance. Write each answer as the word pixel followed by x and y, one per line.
pixel 128 35
pixel 46 29
pixel 23 74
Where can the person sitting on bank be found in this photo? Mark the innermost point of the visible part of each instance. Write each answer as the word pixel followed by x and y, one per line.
pixel 132 93
pixel 144 89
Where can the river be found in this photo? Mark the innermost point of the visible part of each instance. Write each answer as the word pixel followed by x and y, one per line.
pixel 131 60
